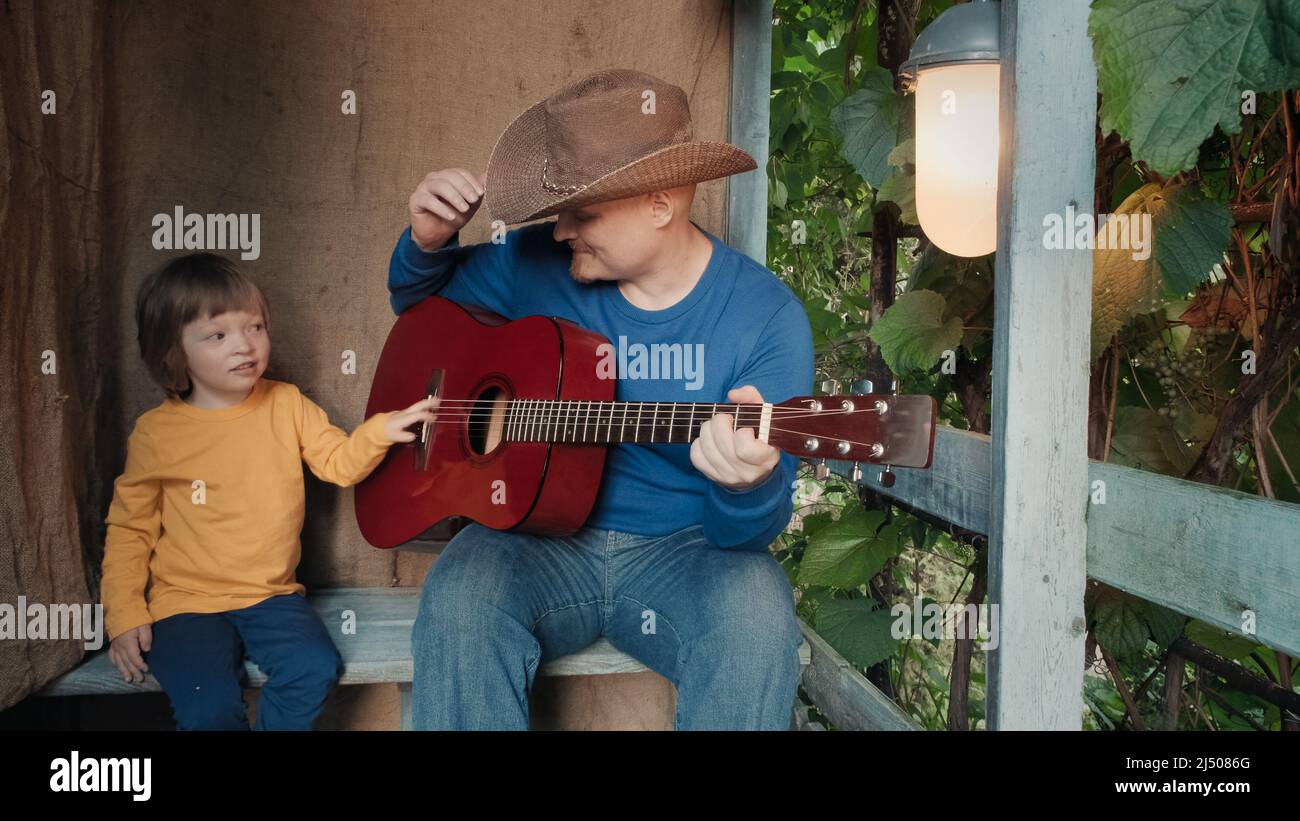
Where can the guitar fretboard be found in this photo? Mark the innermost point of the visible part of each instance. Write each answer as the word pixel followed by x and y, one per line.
pixel 592 422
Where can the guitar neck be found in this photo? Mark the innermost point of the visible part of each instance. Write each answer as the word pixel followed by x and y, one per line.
pixel 591 422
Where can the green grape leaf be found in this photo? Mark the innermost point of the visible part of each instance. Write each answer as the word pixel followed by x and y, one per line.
pixel 1189 234
pixel 900 189
pixel 1166 625
pixel 1232 646
pixel 811 600
pixel 857 630
pixel 1123 623
pixel 1146 440
pixel 1119 625
pixel 1169 72
pixel 1190 239
pixel 912 332
pixel 848 552
pixel 868 121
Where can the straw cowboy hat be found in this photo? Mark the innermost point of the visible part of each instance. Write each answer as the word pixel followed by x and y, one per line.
pixel 601 139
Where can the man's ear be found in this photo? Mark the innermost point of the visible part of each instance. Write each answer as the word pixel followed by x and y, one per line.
pixel 662 207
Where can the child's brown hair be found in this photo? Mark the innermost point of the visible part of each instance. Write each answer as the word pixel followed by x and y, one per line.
pixel 194 286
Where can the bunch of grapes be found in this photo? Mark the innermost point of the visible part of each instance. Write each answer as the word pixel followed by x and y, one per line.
pixel 1173 369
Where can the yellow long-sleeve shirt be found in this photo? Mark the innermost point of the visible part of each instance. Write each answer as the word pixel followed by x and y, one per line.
pixel 177 546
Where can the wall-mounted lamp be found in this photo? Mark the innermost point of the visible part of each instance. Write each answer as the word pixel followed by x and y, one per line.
pixel 953 68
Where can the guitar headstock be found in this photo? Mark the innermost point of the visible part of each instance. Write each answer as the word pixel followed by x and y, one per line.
pixel 875 428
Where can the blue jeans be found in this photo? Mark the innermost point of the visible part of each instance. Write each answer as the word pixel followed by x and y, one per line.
pixel 199 661
pixel 719 624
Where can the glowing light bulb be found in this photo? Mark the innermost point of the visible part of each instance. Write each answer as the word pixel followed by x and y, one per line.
pixel 957 156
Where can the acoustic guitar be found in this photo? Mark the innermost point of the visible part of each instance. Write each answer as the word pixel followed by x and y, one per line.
pixel 526 414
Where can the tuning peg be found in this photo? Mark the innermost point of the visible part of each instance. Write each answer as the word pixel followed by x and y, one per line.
pixel 856 473
pixel 822 471
pixel 886 477
pixel 893 387
pixel 862 386
pixel 830 386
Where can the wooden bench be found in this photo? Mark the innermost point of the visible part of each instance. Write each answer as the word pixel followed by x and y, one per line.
pixel 378 652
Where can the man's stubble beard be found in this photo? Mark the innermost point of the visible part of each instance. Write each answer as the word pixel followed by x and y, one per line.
pixel 573 272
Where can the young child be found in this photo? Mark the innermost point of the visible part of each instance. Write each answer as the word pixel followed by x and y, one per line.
pixel 203 531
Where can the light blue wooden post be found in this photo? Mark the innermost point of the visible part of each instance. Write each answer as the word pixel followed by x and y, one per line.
pixel 1038 538
pixel 751 91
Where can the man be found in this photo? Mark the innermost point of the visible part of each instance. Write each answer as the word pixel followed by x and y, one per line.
pixel 673 564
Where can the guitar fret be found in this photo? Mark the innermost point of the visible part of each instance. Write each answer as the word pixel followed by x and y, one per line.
pixel 579 420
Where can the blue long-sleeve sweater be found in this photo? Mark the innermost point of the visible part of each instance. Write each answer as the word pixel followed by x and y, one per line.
pixel 752 329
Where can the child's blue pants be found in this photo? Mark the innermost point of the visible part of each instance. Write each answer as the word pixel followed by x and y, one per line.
pixel 198 658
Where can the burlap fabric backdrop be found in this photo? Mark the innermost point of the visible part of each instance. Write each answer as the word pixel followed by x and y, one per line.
pixel 236 108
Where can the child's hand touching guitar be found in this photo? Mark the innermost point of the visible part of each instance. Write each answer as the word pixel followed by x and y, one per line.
pixel 395 429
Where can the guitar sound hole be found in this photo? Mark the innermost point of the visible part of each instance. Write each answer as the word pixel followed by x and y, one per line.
pixel 486 421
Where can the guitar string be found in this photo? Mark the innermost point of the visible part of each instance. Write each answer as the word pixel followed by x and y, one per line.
pixel 629 402
pixel 547 419
pixel 781 430
pixel 539 411
pixel 554 420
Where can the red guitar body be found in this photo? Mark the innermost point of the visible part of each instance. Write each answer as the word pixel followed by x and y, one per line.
pixel 511 485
